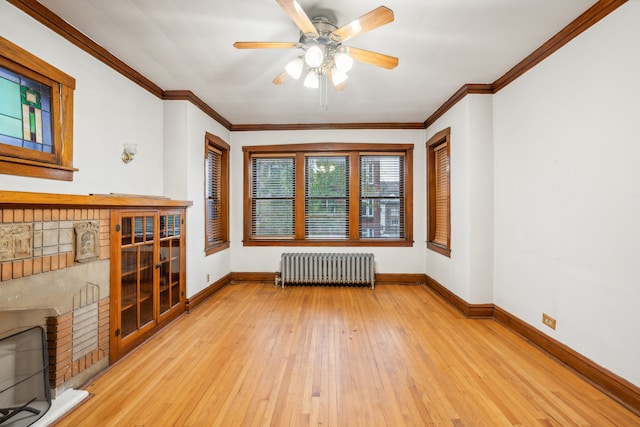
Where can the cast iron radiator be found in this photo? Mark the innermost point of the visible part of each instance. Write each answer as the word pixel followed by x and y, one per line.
pixel 328 269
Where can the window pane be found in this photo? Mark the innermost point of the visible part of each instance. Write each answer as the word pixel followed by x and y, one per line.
pixel 382 196
pixel 273 218
pixel 442 195
pixel 272 197
pixel 327 197
pixel 212 184
pixel 25 111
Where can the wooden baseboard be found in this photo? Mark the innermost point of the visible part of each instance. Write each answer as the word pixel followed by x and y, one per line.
pixel 616 387
pixel 380 278
pixel 198 298
pixel 472 311
pixel 619 389
pixel 401 279
pixel 253 277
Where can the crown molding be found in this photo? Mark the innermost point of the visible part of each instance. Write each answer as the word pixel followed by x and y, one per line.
pixel 52 21
pixel 322 126
pixel 62 28
pixel 586 20
pixel 465 90
pixel 187 95
pixel 583 22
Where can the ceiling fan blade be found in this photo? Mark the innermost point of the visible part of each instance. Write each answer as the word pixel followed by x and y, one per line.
pixel 265 45
pixel 367 22
pixel 373 58
pixel 295 12
pixel 283 77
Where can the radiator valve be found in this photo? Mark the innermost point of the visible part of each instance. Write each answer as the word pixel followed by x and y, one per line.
pixel 277 281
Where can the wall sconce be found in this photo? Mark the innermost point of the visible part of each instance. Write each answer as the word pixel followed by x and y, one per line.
pixel 128 152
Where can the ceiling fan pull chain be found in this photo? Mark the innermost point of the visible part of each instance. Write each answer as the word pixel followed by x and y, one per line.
pixel 323 92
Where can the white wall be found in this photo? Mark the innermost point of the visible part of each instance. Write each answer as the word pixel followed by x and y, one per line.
pixel 184 129
pixel 469 271
pixel 568 193
pixel 109 110
pixel 558 159
pixel 388 260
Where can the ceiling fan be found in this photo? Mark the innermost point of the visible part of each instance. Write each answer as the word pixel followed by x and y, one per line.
pixel 323 53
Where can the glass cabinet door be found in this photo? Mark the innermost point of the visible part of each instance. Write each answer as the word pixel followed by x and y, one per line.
pixel 170 261
pixel 147 274
pixel 136 273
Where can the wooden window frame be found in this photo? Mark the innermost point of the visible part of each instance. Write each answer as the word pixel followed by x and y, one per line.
pixel 23 161
pixel 441 137
pixel 217 144
pixel 354 150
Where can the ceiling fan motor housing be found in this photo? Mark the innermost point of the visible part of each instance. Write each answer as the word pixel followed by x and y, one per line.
pixel 325 42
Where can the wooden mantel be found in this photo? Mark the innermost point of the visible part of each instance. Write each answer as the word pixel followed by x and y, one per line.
pixel 113 200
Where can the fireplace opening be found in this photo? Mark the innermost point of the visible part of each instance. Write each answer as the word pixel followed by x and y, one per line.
pixel 25 394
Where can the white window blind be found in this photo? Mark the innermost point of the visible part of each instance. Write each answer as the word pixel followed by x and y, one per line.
pixel 327 197
pixel 442 195
pixel 273 197
pixel 213 227
pixel 382 196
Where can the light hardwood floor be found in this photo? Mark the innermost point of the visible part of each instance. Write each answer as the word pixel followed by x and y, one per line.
pixel 255 355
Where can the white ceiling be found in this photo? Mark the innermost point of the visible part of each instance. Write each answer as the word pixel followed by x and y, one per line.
pixel 441 45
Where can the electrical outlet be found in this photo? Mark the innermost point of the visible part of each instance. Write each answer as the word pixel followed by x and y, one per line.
pixel 549 321
pixel 208 278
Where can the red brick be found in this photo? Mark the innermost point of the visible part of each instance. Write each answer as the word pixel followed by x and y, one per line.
pixel 37 265
pixel 27 267
pixel 7 215
pixel 62 261
pixel 7 271
pixel 46 264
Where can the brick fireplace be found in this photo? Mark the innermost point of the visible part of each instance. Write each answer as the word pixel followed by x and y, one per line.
pixel 55 274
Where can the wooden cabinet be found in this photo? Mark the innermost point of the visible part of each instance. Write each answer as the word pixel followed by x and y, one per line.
pixel 147 274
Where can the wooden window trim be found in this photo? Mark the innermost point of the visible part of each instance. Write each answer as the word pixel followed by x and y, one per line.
pixel 354 150
pixel 441 137
pixel 25 162
pixel 216 143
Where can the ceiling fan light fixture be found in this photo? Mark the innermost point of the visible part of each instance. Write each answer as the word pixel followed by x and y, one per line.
pixel 343 61
pixel 294 68
pixel 314 56
pixel 312 80
pixel 338 77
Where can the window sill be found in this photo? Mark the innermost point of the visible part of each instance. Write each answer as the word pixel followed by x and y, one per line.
pixel 23 167
pixel 442 250
pixel 371 242
pixel 217 248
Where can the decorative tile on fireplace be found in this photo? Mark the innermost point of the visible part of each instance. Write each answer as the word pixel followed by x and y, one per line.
pixel 16 241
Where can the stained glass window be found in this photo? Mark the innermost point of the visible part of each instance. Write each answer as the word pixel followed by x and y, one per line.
pixel 25 112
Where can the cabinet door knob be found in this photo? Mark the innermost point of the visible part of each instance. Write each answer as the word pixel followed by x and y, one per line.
pixel 158 265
